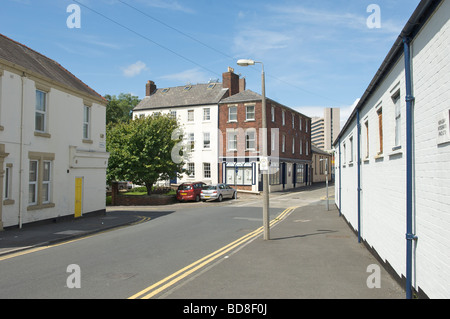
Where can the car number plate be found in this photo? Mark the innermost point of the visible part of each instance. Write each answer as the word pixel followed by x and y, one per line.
pixel 207 196
pixel 183 193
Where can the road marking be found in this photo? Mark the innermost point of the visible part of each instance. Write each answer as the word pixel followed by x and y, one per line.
pixel 174 278
pixel 36 249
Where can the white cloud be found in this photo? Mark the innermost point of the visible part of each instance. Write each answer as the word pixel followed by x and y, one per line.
pixel 134 69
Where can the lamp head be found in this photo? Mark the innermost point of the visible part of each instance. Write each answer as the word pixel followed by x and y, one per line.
pixel 245 62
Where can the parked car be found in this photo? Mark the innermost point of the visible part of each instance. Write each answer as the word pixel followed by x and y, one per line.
pixel 189 191
pixel 218 192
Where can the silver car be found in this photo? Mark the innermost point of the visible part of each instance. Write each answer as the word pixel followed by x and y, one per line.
pixel 217 192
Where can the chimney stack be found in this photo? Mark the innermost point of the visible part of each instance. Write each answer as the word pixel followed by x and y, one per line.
pixel 230 81
pixel 242 85
pixel 150 88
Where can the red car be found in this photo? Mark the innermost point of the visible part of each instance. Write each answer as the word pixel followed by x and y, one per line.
pixel 189 191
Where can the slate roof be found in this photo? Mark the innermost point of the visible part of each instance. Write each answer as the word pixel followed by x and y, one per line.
pixel 199 94
pixel 32 61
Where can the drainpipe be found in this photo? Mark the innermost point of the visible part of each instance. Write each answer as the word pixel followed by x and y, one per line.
pixel 340 179
pixel 410 236
pixel 358 162
pixel 23 78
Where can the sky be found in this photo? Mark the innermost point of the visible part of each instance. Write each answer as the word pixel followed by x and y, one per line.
pixel 316 53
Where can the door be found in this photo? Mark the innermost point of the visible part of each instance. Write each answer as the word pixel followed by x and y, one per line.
pixel 78 196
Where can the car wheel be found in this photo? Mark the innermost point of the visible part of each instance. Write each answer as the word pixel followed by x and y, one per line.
pixel 197 198
pixel 235 195
pixel 220 197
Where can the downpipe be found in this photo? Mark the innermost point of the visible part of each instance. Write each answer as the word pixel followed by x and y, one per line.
pixel 358 162
pixel 410 236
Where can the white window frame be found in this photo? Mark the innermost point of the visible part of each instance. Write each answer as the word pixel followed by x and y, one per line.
pixel 190 118
pixel 398 120
pixel 230 108
pixel 273 113
pixel 33 184
pixel 47 183
pixel 206 140
pixel 283 143
pixel 232 140
pixel 206 114
pixel 8 182
pixel 293 145
pixel 207 170
pixel 86 122
pixel 248 140
pixel 42 113
pixel 191 170
pixel 283 117
pixel 248 115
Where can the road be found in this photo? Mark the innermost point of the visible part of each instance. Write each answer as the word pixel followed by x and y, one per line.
pixel 126 262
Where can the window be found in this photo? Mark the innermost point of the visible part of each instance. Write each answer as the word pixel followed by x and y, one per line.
pixel 307 148
pixel 300 123
pixel 191 170
pixel 40 180
pixel 87 123
pixel 33 183
pixel 351 149
pixel 250 113
pixel 273 113
pixel 366 124
pixel 293 120
pixel 8 181
pixel 46 182
pixel 41 111
pixel 301 147
pixel 191 116
pixel 232 114
pixel 274 177
pixel 380 130
pixel 206 140
pixel 283 118
pixel 191 141
pixel 173 114
pixel 398 119
pixel 232 141
pixel 293 145
pixel 306 126
pixel 206 170
pixel 273 140
pixel 207 114
pixel 283 143
pixel 345 153
pixel 250 140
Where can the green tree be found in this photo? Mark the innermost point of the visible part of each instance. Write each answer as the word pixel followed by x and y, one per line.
pixel 119 108
pixel 145 150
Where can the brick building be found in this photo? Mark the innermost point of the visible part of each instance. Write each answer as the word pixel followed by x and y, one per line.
pixel 288 138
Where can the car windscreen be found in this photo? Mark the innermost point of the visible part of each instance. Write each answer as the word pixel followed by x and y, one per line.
pixel 209 187
pixel 184 187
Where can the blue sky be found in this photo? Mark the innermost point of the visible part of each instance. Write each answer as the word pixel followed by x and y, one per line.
pixel 317 53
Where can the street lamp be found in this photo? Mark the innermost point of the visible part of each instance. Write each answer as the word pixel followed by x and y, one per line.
pixel 326 173
pixel 266 223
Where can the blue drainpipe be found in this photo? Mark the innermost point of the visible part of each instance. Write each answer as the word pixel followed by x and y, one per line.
pixel 340 179
pixel 358 162
pixel 410 236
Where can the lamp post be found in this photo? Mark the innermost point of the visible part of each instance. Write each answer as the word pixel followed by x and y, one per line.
pixel 264 168
pixel 326 173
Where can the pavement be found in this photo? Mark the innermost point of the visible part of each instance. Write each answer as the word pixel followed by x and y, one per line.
pixel 311 254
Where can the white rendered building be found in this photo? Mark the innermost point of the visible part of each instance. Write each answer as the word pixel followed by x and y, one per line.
pixel 52 140
pixel 393 157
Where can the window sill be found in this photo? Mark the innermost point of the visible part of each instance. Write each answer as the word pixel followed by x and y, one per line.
pixel 85 141
pixel 2 128
pixel 379 156
pixel 232 121
pixel 38 207
pixel 42 134
pixel 252 120
pixel 397 150
pixel 8 202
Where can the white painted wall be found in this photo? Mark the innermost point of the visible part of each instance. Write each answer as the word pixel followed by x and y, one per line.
pixel 383 177
pixel 65 125
pixel 199 155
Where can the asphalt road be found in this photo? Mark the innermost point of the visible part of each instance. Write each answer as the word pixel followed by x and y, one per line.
pixel 124 262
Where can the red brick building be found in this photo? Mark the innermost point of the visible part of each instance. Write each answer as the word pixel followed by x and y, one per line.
pixel 240 147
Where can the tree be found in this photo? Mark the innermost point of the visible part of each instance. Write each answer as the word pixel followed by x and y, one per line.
pixel 119 108
pixel 145 150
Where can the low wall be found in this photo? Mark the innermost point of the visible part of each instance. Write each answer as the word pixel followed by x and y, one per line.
pixel 142 200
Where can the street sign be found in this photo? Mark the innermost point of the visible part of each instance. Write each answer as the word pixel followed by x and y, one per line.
pixel 264 164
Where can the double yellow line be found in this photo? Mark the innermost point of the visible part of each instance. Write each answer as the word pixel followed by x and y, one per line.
pixel 171 280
